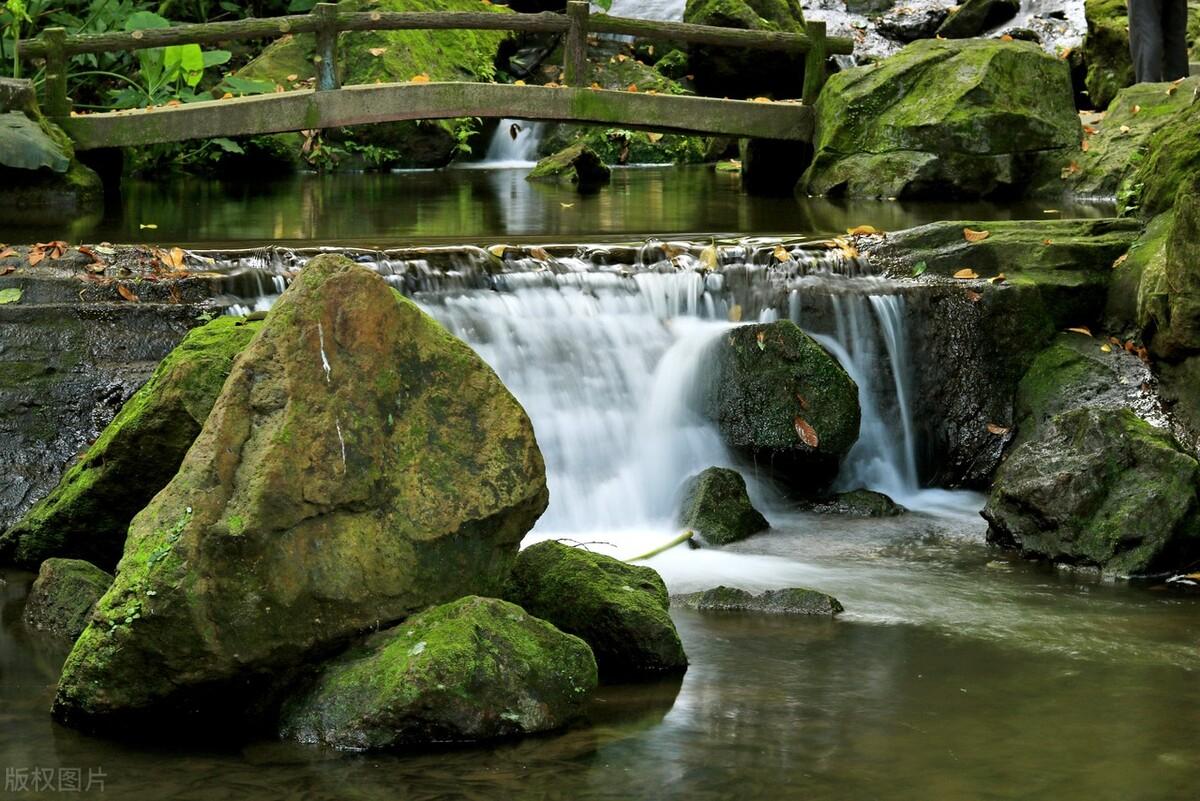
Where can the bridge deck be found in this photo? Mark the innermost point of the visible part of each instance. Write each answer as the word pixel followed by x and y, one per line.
pixel 357 105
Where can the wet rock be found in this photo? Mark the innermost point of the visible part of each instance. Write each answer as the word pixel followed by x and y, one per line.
pixel 790 601
pixel 577 164
pixel 1120 139
pixel 963 118
pixel 975 17
pixel 716 506
pixel 474 669
pixel 728 72
pixel 1106 50
pixel 1101 488
pixel 906 24
pixel 87 514
pixel 43 182
pixel 1137 292
pixel 619 609
pixel 1024 35
pixel 780 399
pixel 1172 160
pixel 63 596
pixel 859 503
pixel 1169 292
pixel 359 464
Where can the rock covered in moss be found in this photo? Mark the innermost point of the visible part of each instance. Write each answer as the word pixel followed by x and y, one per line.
pixel 716 506
pixel 43 181
pixel 953 118
pixel 860 503
pixel 576 164
pixel 1137 291
pixel 975 17
pixel 360 464
pixel 1171 164
pixel 784 401
pixel 1106 50
pixel 87 514
pixel 1174 327
pixel 474 669
pixel 729 72
pixel 789 601
pixel 63 596
pixel 1099 488
pixel 619 609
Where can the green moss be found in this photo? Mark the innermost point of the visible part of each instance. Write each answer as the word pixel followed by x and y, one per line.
pixel 1106 50
pixel 63 595
pixel 1065 376
pixel 792 600
pixel 716 505
pixel 1172 160
pixel 728 72
pixel 620 610
pixel 474 669
pixel 577 164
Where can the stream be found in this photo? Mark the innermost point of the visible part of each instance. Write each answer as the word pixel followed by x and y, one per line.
pixel 956 672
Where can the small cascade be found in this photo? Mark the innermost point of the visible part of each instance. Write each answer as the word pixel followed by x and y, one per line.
pixel 508 151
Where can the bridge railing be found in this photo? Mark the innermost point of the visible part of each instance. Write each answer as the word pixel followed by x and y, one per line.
pixel 325 20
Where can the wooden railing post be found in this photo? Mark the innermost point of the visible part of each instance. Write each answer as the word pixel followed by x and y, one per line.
pixel 57 102
pixel 327 38
pixel 575 71
pixel 814 61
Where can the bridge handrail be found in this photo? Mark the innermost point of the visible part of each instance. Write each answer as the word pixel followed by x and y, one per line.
pixel 326 21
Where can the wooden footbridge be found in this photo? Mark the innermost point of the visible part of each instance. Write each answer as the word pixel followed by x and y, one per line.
pixel 330 105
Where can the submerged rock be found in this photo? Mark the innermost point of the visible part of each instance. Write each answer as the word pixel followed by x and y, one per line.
pixel 954 118
pixel 360 464
pixel 975 17
pixel 1106 49
pixel 619 609
pixel 906 24
pixel 716 505
pixel 860 503
pixel 474 669
pixel 1100 488
pixel 576 164
pixel 781 399
pixel 789 601
pixel 63 596
pixel 87 514
pixel 729 72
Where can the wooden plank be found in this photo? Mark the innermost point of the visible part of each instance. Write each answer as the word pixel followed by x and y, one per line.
pixel 814 62
pixel 575 63
pixel 713 35
pixel 325 59
pixel 374 103
pixel 55 86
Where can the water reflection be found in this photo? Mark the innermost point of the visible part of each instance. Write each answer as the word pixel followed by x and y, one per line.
pixel 482 206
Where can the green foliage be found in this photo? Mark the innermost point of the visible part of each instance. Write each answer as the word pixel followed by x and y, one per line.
pixel 165 73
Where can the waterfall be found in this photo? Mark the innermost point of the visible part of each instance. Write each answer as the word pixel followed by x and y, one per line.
pixel 506 150
pixel 670 10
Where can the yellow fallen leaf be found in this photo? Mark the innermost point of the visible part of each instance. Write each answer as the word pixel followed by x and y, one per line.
pixel 781 253
pixel 422 78
pixel 622 57
pixel 518 83
pixel 631 88
pixel 735 313
pixel 1125 129
pixel 972 235
pixel 375 51
pixel 708 257
pixel 566 205
pixel 497 250
pixel 862 229
pixel 966 274
pixel 996 279
pixel 1106 348
pixel 293 77
pixel 762 100
pixel 147 225
pixel 1084 146
pixel 1081 329
pixel 596 85
pixel 1136 109
pixel 654 136
pixel 998 430
pixel 1006 38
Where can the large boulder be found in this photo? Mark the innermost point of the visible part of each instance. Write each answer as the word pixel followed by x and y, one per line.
pixel 788 601
pixel 87 514
pixel 360 464
pixel 1171 163
pixel 716 506
pixel 1169 289
pixel 858 503
pixel 43 181
pixel 781 399
pixel 728 72
pixel 575 164
pixel 620 610
pixel 474 669
pixel 1099 488
pixel 1138 290
pixel 367 57
pixel 975 17
pixel 1106 50
pixel 63 596
pixel 954 118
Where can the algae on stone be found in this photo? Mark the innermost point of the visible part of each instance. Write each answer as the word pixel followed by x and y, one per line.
pixel 1106 50
pixel 716 506
pixel 619 609
pixel 470 670
pixel 360 464
pixel 576 164
pixel 788 601
pixel 1171 164
pixel 86 516
pixel 729 72
pixel 63 596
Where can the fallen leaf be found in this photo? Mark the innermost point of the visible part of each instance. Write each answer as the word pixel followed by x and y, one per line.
pixel 127 293
pixel 10 295
pixel 497 250
pixel 147 225
pixel 173 258
pixel 997 430
pixel 708 258
pixel 966 274
pixel 859 230
pixel 422 78
pixel 803 402
pixel 1047 241
pixel 1130 347
pixel 1120 260
pixel 1070 169
pixel 735 313
pixel 781 253
pixel 596 85
pixel 1114 341
pixel 996 279
pixel 1084 146
pixel 539 253
pixel 806 432
pixel 972 235
pixel 622 57
pixel 1089 129
pixel 566 205
pixel 35 256
pixel 1106 348
pixel 1006 37
pixel 761 338
pixel 375 51
pixel 1143 354
pixel 762 100
pixel 1125 129
pixel 919 268
pixel 1136 109
pixel 631 88
pixel 7 252
pixel 654 136
pixel 293 77
pixel 1172 89
pixel 974 296
pixel 1081 329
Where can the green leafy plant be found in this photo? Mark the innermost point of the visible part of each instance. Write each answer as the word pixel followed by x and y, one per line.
pixel 17 14
pixel 165 73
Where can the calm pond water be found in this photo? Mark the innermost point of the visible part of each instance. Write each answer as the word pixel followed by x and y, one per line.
pixel 473 206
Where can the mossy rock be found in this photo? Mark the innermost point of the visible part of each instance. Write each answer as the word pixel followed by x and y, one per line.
pixel 716 506
pixel 1122 138
pixel 1070 374
pixel 782 400
pixel 975 17
pixel 63 596
pixel 360 464
pixel 577 165
pixel 1106 50
pixel 730 72
pixel 1137 289
pixel 789 601
pixel 619 609
pixel 945 118
pixel 474 669
pixel 449 55
pixel 86 516
pixel 1172 297
pixel 1099 488
pixel 1172 161
pixel 859 503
